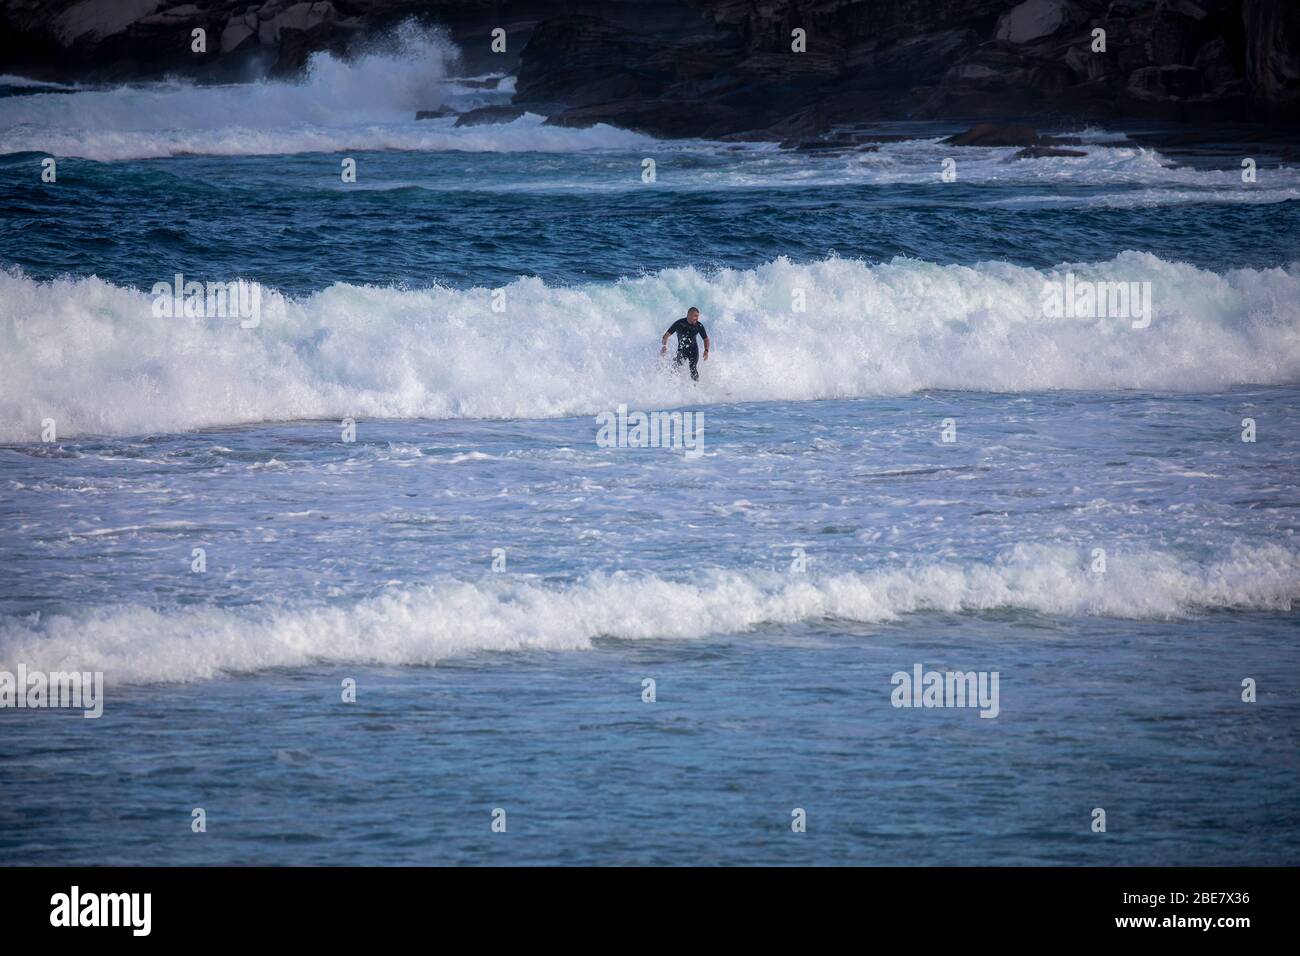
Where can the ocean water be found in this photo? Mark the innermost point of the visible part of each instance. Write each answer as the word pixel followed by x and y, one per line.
pixel 916 467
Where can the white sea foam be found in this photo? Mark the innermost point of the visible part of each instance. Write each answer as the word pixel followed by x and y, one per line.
pixel 421 625
pixel 1107 163
pixel 1094 134
pixel 366 102
pixel 91 356
pixel 390 82
pixel 24 83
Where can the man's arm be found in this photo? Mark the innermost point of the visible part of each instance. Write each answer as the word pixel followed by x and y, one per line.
pixel 664 341
pixel 706 344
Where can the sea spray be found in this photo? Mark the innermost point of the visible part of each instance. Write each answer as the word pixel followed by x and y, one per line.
pixel 89 354
pixel 366 101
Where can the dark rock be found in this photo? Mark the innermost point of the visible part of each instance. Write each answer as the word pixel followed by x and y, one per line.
pixel 900 64
pixel 1171 31
pixel 736 60
pixel 1166 82
pixel 296 45
pixel 489 115
pixel 1000 79
pixel 989 134
pixel 1042 152
pixel 830 147
pixel 435 114
pixel 1239 138
pixel 664 117
pixel 583 61
pixel 1215 64
pixel 1035 19
pixel 725 68
pixel 825 114
pixel 573 119
pixel 1273 55
pixel 1086 65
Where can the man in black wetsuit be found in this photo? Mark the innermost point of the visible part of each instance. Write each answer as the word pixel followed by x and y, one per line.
pixel 687 329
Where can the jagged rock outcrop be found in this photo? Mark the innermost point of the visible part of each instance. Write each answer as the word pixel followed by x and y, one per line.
pixel 1035 19
pixel 733 68
pixel 487 115
pixel 737 75
pixel 1272 67
pixel 989 134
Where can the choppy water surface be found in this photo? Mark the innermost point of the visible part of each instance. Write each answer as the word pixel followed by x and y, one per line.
pixel 827 536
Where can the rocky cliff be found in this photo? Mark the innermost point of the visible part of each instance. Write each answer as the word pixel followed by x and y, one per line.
pixel 772 68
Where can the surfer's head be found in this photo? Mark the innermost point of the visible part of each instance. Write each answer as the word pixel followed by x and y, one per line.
pixel 692 315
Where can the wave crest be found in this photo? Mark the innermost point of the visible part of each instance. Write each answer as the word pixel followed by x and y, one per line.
pixel 426 624
pixel 91 355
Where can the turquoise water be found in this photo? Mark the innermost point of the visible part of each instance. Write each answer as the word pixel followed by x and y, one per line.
pixel 918 467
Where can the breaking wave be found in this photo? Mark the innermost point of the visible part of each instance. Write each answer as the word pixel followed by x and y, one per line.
pixel 423 625
pixel 92 356
pixel 366 102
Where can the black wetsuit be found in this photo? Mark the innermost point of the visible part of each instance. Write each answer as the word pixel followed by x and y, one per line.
pixel 687 351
